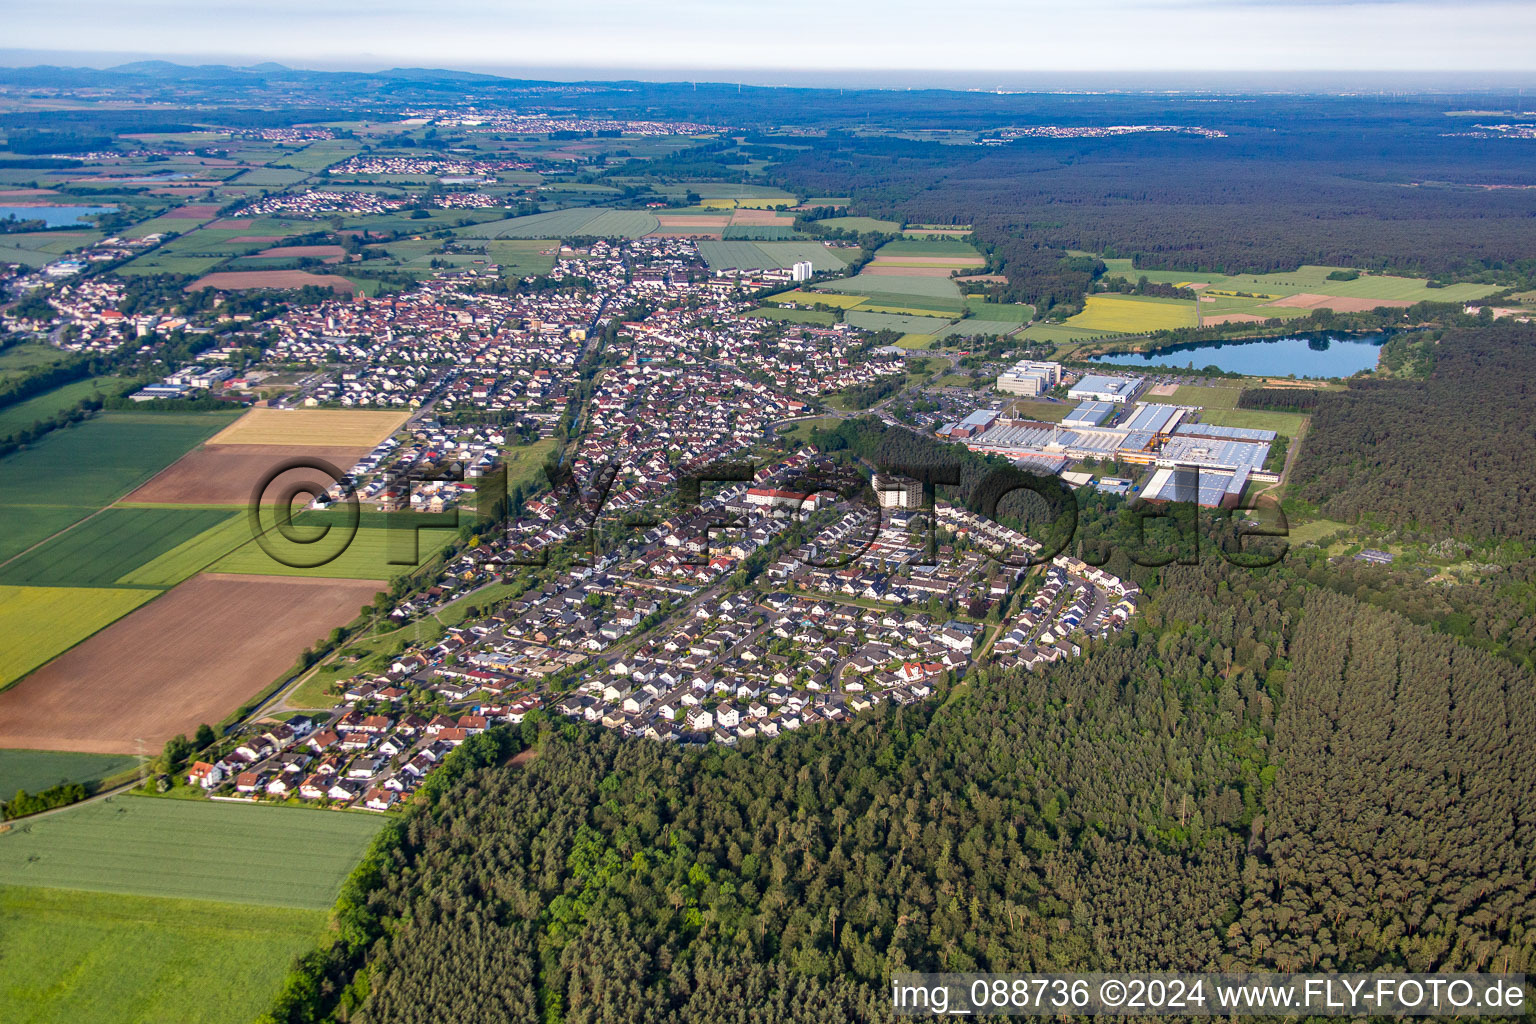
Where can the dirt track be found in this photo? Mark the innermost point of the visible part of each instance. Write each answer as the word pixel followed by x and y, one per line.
pixel 190 656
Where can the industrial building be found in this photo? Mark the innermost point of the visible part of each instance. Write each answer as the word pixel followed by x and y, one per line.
pixel 1088 414
pixel 1189 460
pixel 1099 388
pixel 1030 378
pixel 976 423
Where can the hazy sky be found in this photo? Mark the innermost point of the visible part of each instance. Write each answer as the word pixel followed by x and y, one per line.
pixel 912 35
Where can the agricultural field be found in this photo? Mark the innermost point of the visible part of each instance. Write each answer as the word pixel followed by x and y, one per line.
pixel 37 770
pixel 191 849
pixel 920 342
pixel 1060 334
pixel 1020 312
pixel 587 220
pixel 519 257
pixel 800 316
pixel 318 155
pixel 895 322
pixel 804 298
pixel 26 525
pixel 860 224
pixel 769 255
pixel 1133 314
pixel 97 970
pixel 191 556
pixel 975 327
pixel 898 285
pixel 707 190
pixel 933 248
pixel 33 249
pixel 269 177
pixel 74 471
pixel 1313 281
pixel 374 553
pixel 109 545
pixel 41 622
pixel 242 280
pixel 191 656
pixel 46 405
pixel 336 428
pixel 227 474
pixel 760 233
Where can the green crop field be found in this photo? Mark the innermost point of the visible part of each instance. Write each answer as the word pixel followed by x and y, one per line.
pixel 760 233
pixel 1133 314
pixel 191 849
pixel 116 959
pixel 40 623
pixel 918 342
pixel 860 224
pixel 1309 279
pixel 896 322
pixel 91 464
pixel 522 257
pixel 585 220
pixel 36 770
pixel 40 407
pixel 156 262
pixel 22 526
pixel 190 556
pixel 975 327
pixel 109 545
pixel 270 176
pixel 804 298
pixel 888 285
pixel 799 316
pixel 1021 312
pixel 34 249
pixel 768 255
pixel 1060 334
pixel 375 553
pixel 318 155
pixel 943 309
pixel 928 247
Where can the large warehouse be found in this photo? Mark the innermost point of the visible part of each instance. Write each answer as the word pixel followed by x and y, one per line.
pixel 1099 388
pixel 1223 459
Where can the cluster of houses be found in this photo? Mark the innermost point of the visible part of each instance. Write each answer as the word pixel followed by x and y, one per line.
pixel 321 202
pixel 450 167
pixel 349 758
pixel 1075 597
pixel 87 311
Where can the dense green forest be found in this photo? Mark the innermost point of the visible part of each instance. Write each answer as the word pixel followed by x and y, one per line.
pixel 1259 773
pixel 1269 198
pixel 1447 456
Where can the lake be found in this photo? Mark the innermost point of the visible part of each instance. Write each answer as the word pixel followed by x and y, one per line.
pixel 1301 355
pixel 53 216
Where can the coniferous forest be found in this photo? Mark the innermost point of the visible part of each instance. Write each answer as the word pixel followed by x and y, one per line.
pixel 1259 774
